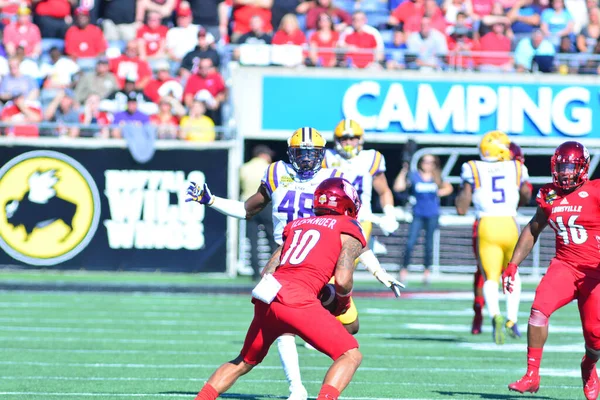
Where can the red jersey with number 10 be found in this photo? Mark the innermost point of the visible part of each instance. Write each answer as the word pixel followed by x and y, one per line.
pixel 575 218
pixel 310 253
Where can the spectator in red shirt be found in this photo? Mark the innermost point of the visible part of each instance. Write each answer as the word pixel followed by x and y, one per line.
pixel 408 14
pixel 131 64
pixel 431 10
pixel 341 19
pixel 84 40
pixel 23 33
pixel 153 88
pixel 152 37
pixel 323 42
pixel 460 46
pixel 166 123
pixel 496 42
pixel 22 117
pixel 53 17
pixel 289 32
pixel 207 79
pixel 363 43
pixel 244 10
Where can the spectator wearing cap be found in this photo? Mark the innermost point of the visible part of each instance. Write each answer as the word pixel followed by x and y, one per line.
pixel 428 46
pixel 16 84
pixel 151 38
pixel 21 117
pixel 340 18
pixel 164 9
pixel 53 17
pixel 251 174
pixel 119 20
pixel 206 14
pixel 131 64
pixel 131 115
pixel 184 37
pixel 23 32
pixel 289 32
pixel 461 44
pixel 166 123
pixel 363 43
pixel 153 88
pixel 244 11
pixel 322 42
pixel 58 74
pixel 117 100
pixel 204 49
pixel 207 78
pixel 62 111
pixel 92 115
pixel 84 40
pixel 528 48
pixel 499 44
pixel 197 126
pixel 101 81
pixel 395 50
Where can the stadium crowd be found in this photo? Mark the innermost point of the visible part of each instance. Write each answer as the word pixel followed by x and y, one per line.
pixel 86 67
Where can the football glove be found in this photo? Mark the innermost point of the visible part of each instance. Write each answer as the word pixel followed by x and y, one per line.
pixel 200 195
pixel 385 278
pixel 508 276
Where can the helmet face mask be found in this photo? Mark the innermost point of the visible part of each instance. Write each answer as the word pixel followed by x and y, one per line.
pixel 336 196
pixel 306 150
pixel 570 164
pixel 348 138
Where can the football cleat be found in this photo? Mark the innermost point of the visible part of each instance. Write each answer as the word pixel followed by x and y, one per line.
pixel 512 329
pixel 590 382
pixel 530 382
pixel 498 329
pixel 298 393
pixel 477 321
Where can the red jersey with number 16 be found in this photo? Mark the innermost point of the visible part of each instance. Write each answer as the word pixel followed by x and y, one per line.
pixel 575 218
pixel 310 253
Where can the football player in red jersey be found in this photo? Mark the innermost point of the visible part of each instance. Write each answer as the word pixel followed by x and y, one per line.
pixel 570 206
pixel 516 153
pixel 314 250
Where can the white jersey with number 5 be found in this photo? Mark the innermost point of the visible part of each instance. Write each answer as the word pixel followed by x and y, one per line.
pixel 359 170
pixel 291 197
pixel 496 186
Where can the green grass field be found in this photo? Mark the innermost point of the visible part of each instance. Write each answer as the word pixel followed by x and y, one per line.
pixel 115 346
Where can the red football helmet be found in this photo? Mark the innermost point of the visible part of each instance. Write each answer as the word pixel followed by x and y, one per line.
pixel 570 164
pixel 516 153
pixel 336 196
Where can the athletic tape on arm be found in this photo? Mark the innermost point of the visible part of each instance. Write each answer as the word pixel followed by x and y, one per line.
pixel 232 208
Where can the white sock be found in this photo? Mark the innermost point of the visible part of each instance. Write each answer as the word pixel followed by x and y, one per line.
pixel 288 353
pixel 490 293
pixel 513 300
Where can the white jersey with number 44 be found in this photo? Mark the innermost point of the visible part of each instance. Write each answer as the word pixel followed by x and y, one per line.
pixel 291 197
pixel 359 170
pixel 496 186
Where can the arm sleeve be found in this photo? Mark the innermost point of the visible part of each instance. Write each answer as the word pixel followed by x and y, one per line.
pixel 378 164
pixel 352 227
pixel 466 174
pixel 269 180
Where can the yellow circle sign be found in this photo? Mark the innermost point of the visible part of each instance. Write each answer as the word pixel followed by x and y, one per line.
pixel 49 208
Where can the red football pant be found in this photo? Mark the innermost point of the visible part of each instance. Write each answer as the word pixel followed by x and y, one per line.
pixel 478 279
pixel 564 283
pixel 312 323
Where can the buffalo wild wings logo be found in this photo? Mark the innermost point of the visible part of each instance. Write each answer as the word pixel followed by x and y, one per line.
pixel 49 208
pixel 550 197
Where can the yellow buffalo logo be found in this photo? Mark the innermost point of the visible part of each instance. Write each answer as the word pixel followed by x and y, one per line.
pixel 49 208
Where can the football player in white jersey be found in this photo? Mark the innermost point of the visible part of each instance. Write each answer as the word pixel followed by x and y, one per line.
pixel 496 185
pixel 290 186
pixel 365 170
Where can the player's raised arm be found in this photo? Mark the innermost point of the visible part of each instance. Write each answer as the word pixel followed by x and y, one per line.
pixel 233 208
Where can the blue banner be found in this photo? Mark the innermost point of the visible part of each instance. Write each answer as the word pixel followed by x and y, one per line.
pixel 440 106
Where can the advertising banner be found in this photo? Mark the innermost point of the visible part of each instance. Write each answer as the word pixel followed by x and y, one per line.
pixel 443 106
pixel 95 208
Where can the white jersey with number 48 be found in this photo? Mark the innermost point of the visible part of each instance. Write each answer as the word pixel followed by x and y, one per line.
pixel 291 197
pixel 496 186
pixel 359 170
